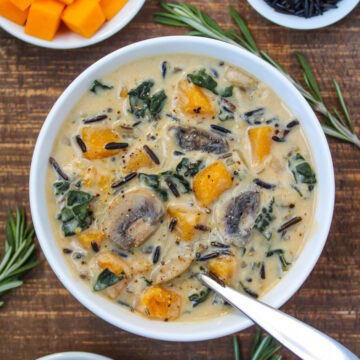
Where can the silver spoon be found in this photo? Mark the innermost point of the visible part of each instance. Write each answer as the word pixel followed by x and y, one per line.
pixel 300 338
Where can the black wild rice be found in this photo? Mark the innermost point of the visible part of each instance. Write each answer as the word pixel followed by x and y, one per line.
pixel 123 181
pixel 220 129
pixel 81 143
pixel 303 8
pixel 116 145
pixel 156 254
pixel 57 168
pixel 152 155
pixel 263 184
pixel 172 224
pixel 172 187
pixel 289 223
pixel 95 119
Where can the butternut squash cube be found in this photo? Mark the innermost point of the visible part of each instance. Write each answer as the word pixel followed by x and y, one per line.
pixel 137 160
pixel 84 17
pixel 9 11
pixel 260 140
pixel 211 182
pixel 187 219
pixel 95 139
pixel 222 267
pixel 161 304
pixel 67 2
pixel 111 7
pixel 114 263
pixel 193 100
pixel 44 19
pixel 22 4
pixel 91 236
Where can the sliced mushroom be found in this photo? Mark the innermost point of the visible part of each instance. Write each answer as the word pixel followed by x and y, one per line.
pixel 131 219
pixel 193 138
pixel 239 78
pixel 240 215
pixel 171 269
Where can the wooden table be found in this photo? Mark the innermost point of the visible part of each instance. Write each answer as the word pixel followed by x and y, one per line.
pixel 42 317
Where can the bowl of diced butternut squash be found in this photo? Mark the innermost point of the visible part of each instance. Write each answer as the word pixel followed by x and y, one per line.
pixel 66 24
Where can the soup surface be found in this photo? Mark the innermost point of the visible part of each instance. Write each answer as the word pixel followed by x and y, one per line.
pixel 176 165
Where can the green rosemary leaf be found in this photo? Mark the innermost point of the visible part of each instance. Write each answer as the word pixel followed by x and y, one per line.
pixel 310 76
pixel 243 28
pixel 333 133
pixel 270 60
pixel 343 106
pixel 338 116
pixel 19 255
pixel 256 341
pixel 236 348
pixel 238 38
pixel 167 19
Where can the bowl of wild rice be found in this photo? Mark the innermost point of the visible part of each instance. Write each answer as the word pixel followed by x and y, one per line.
pixel 304 14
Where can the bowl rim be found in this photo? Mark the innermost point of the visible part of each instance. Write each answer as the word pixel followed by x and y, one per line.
pixel 180 331
pixel 293 22
pixel 18 30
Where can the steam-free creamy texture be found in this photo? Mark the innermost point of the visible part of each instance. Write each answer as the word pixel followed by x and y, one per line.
pixel 176 165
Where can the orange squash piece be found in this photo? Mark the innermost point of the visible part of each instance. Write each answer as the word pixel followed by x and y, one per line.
pixel 161 303
pixel 113 262
pixel 222 267
pixel 95 139
pixel 91 236
pixel 260 140
pixel 22 4
pixel 84 17
pixel 211 182
pixel 111 7
pixel 193 100
pixel 137 160
pixel 187 219
pixel 67 2
pixel 9 11
pixel 44 19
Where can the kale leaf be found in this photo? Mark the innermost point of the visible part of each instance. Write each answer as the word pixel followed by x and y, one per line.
pixel 98 85
pixel 61 187
pixel 199 297
pixel 302 171
pixel 107 279
pixel 264 219
pixel 202 79
pixel 142 104
pixel 76 214
pixel 186 168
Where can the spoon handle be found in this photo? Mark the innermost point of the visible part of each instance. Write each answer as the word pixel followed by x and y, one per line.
pixel 300 338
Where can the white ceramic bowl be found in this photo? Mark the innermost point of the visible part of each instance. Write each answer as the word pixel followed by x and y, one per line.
pixel 68 39
pixel 117 315
pixel 74 355
pixel 294 22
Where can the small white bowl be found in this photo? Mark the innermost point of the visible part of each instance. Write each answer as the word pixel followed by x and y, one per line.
pixel 295 22
pixel 74 355
pixel 110 311
pixel 68 39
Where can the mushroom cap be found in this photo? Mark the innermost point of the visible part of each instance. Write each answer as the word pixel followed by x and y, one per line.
pixel 193 138
pixel 132 218
pixel 239 216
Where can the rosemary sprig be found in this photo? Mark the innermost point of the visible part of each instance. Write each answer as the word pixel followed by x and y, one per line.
pixel 19 254
pixel 200 24
pixel 265 348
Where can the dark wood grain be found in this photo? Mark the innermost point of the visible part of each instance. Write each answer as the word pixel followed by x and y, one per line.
pixel 42 317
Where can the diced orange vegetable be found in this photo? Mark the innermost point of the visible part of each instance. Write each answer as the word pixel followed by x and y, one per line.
pixel 113 262
pixel 84 17
pixel 22 4
pixel 137 160
pixel 211 182
pixel 44 19
pixel 67 2
pixel 111 7
pixel 260 140
pixel 222 267
pixel 11 12
pixel 95 139
pixel 91 236
pixel 193 100
pixel 161 303
pixel 187 219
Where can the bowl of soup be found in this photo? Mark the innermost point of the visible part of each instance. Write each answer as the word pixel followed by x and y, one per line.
pixel 177 156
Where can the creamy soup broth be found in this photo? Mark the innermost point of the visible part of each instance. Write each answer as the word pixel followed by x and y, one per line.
pixel 137 224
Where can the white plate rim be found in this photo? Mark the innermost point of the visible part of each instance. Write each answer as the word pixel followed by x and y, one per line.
pixel 110 28
pixel 294 22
